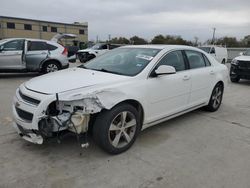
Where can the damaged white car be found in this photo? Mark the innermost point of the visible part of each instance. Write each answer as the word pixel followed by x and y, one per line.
pixel 118 94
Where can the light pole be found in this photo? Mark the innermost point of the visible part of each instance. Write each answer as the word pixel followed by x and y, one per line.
pixel 213 35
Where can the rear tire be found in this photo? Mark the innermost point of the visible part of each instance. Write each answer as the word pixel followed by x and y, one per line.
pixel 216 98
pixel 50 66
pixel 116 130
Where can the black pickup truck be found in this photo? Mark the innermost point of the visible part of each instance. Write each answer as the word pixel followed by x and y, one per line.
pixel 240 67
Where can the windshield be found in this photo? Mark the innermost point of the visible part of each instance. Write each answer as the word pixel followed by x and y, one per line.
pixel 205 49
pixel 123 61
pixel 247 53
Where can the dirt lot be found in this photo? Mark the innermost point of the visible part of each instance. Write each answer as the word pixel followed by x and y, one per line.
pixel 199 149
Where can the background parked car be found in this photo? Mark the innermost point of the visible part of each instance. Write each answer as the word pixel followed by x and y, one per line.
pixel 72 51
pixel 240 67
pixel 96 50
pixel 218 52
pixel 32 55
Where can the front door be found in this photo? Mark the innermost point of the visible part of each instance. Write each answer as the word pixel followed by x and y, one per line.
pixel 169 94
pixel 11 55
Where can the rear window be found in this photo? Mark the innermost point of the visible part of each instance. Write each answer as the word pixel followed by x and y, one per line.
pixel 195 59
pixel 51 47
pixel 37 46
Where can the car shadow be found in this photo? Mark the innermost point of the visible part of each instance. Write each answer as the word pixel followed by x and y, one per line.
pixel 18 75
pixel 244 82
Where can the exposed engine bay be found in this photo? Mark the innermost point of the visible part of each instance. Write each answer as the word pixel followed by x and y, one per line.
pixel 73 116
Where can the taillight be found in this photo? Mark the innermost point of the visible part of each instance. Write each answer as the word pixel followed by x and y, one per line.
pixel 65 51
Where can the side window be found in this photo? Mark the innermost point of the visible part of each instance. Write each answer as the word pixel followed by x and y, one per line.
pixel 195 59
pixel 37 46
pixel 207 62
pixel 174 59
pixel 15 45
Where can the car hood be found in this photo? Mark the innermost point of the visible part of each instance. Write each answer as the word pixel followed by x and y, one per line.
pixel 243 58
pixel 70 79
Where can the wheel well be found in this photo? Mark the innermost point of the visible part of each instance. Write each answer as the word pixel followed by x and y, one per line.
pixel 132 102
pixel 51 60
pixel 138 107
pixel 221 83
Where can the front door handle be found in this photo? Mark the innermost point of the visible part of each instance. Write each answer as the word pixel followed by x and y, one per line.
pixel 212 72
pixel 186 77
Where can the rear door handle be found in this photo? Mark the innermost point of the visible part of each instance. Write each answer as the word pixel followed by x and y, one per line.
pixel 186 77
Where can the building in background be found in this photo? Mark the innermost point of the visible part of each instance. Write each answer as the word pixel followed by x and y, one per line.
pixel 11 27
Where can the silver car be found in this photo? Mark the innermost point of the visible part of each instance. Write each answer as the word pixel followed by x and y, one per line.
pixel 32 55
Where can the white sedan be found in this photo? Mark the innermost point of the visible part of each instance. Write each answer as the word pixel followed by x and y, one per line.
pixel 118 94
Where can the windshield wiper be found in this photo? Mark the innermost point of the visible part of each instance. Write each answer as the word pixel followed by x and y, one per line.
pixel 108 71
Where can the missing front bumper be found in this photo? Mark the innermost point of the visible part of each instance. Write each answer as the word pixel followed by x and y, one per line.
pixel 28 135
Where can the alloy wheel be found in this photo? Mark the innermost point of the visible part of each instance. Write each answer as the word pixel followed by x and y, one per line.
pixel 51 68
pixel 217 97
pixel 122 129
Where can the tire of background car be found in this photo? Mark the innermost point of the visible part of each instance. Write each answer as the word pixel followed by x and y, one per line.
pixel 234 78
pixel 90 56
pixel 223 61
pixel 116 130
pixel 50 66
pixel 82 57
pixel 216 98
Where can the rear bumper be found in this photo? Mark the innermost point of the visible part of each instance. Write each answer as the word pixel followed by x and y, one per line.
pixel 65 66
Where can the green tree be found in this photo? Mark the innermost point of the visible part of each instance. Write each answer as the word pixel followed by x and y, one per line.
pixel 159 39
pixel 168 39
pixel 137 40
pixel 120 40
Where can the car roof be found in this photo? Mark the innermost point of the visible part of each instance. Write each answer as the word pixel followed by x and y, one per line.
pixel 31 39
pixel 162 47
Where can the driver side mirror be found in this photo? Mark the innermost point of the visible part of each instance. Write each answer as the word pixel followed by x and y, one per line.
pixel 165 69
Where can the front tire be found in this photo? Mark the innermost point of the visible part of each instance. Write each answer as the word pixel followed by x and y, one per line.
pixel 216 98
pixel 116 130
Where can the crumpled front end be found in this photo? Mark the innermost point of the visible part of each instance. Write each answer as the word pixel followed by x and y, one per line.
pixel 41 116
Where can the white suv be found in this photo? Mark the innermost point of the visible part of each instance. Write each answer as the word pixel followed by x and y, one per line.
pixel 32 55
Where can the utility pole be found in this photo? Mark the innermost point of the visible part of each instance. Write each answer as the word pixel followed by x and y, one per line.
pixel 213 35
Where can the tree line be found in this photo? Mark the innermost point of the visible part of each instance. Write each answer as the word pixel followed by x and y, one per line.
pixel 178 40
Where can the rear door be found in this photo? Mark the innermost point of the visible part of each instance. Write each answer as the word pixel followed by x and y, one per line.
pixel 12 55
pixel 37 51
pixel 203 76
